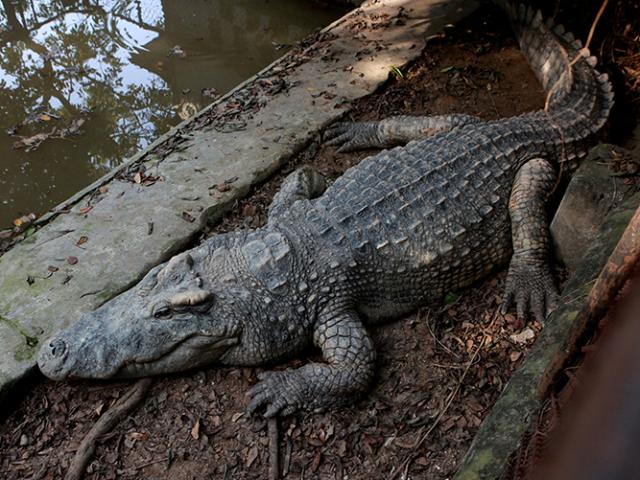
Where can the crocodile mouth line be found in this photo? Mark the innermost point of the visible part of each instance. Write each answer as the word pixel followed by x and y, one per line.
pixel 215 345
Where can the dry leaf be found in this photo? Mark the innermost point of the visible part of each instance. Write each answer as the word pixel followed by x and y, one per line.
pixel 137 178
pixel 99 409
pixel 72 260
pixel 523 337
pixel 52 269
pixel 316 462
pixel 236 417
pixel 103 189
pixel 252 455
pixel 141 436
pixel 82 240
pixel 514 356
pixel 85 209
pixel 195 431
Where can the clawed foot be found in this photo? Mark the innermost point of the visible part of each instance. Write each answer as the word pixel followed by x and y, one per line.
pixel 281 392
pixel 531 287
pixel 348 136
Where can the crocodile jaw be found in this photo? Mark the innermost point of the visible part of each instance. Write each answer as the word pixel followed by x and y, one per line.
pixel 115 341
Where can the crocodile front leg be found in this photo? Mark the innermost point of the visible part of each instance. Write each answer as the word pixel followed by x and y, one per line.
pixel 303 183
pixel 350 357
pixel 392 131
pixel 529 280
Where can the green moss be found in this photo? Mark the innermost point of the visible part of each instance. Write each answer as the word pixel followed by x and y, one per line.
pixel 30 345
pixel 474 470
pixel 25 352
pixel 17 282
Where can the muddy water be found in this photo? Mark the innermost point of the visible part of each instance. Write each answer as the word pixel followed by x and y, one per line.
pixel 86 83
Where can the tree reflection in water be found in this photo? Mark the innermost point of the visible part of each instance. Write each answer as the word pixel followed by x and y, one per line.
pixel 133 68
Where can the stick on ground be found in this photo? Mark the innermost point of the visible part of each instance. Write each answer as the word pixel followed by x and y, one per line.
pixel 105 423
pixel 274 451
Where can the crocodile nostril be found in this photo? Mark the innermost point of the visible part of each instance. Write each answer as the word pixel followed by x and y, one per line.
pixel 58 347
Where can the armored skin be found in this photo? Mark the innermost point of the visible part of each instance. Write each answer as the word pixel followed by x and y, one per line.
pixel 396 232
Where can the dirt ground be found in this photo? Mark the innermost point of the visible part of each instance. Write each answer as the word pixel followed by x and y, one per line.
pixel 440 370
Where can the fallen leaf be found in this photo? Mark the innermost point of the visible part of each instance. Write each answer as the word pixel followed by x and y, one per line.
pixel 103 189
pixel 72 260
pixel 252 455
pixel 140 436
pixel 52 269
pixel 188 217
pixel 85 209
pixel 44 117
pixel 316 462
pixel 82 240
pixel 236 416
pixel 315 442
pixel 210 92
pixel 31 143
pixel 514 356
pixel 249 210
pixel 137 178
pixel 99 409
pixel 523 337
pixel 195 431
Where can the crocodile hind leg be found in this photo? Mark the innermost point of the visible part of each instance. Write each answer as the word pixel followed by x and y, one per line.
pixel 529 281
pixel 392 131
pixel 303 183
pixel 349 354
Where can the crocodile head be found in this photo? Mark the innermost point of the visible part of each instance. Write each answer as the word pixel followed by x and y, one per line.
pixel 170 321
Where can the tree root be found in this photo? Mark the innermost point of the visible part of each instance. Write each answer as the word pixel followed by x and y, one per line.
pixel 105 423
pixel 274 453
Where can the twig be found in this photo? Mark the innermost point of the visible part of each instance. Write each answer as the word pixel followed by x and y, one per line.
pixel 104 424
pixel 435 338
pixel 274 451
pixel 404 468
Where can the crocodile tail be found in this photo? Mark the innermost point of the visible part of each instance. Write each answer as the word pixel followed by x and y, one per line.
pixel 576 91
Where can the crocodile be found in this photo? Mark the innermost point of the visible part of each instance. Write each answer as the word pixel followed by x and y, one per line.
pixel 447 200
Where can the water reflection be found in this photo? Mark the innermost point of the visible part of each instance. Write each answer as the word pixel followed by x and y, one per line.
pixel 130 68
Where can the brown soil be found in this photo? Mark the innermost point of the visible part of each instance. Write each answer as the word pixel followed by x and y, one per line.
pixel 439 373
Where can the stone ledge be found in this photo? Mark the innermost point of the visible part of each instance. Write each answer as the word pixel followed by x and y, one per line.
pixel 105 238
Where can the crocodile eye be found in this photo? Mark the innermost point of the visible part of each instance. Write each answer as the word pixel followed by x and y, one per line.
pixel 162 312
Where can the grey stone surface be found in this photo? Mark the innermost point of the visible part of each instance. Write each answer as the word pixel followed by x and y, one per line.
pixel 591 194
pixel 42 291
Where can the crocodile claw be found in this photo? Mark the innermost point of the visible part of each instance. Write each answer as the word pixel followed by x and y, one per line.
pixel 349 136
pixel 280 392
pixel 531 288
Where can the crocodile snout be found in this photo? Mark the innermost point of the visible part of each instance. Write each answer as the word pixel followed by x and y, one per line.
pixel 57 348
pixel 52 358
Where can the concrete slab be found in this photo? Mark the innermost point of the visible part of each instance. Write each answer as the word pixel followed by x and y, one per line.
pixel 105 238
pixel 592 193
